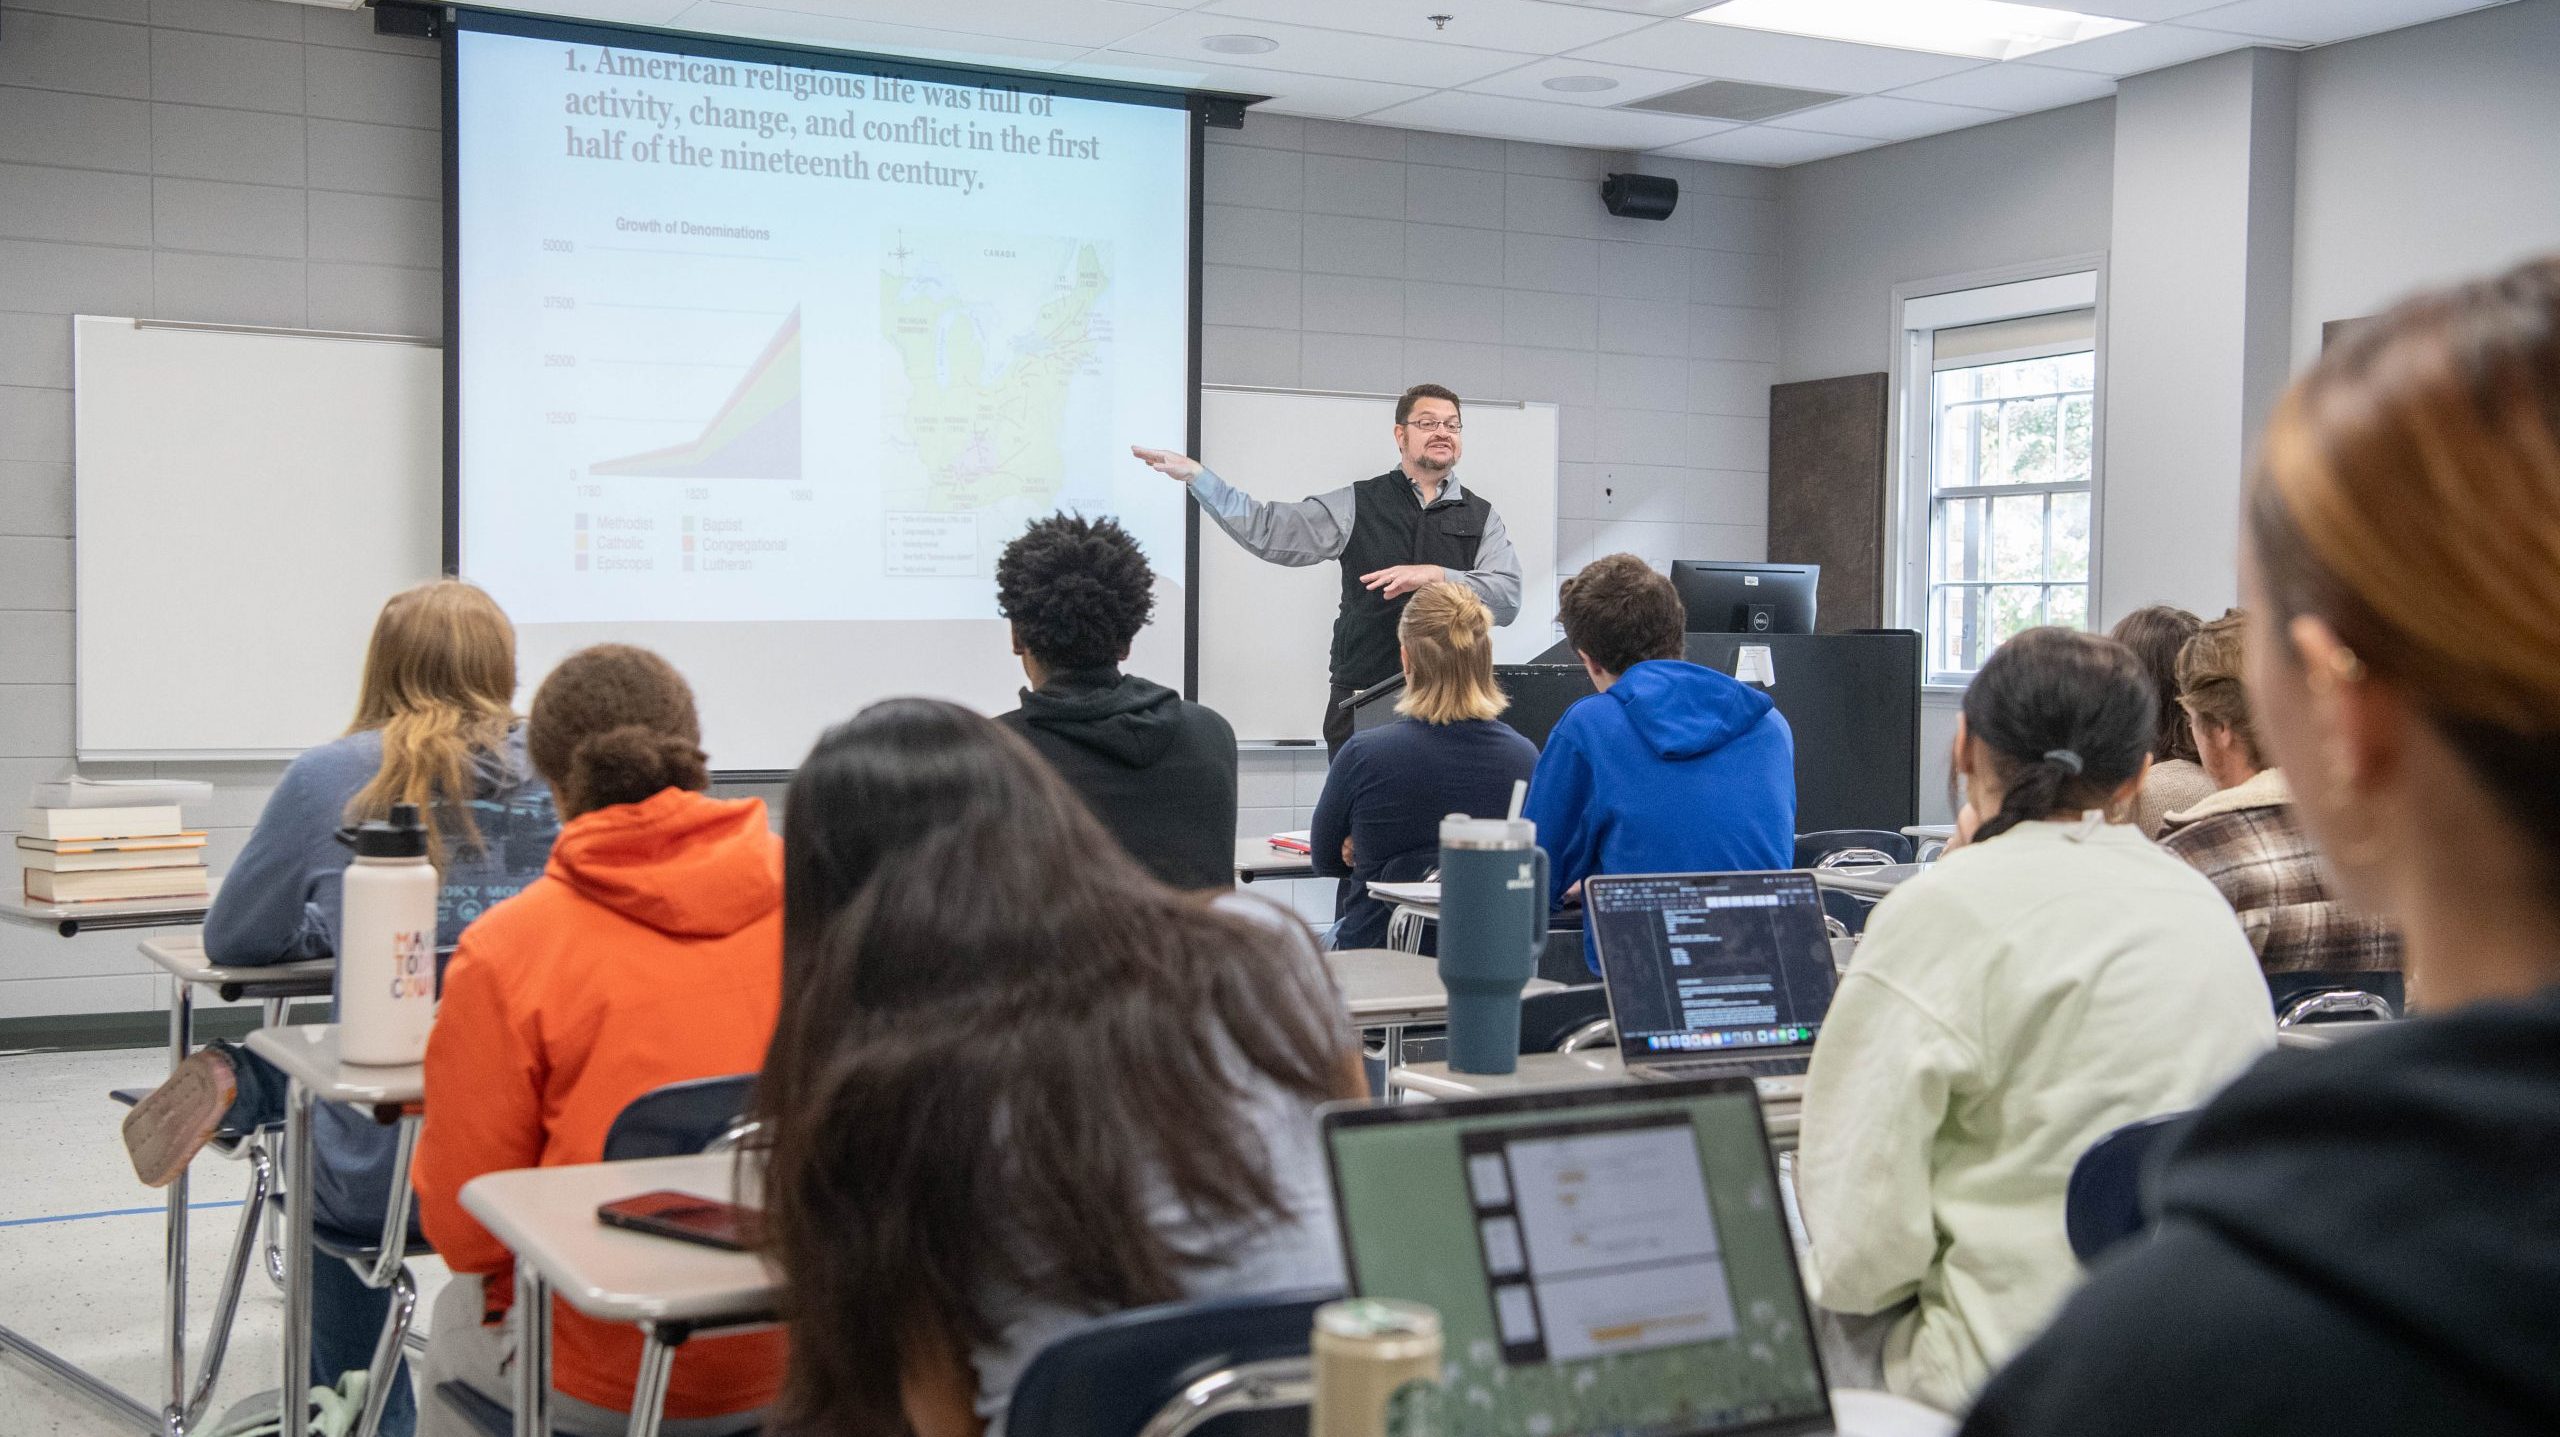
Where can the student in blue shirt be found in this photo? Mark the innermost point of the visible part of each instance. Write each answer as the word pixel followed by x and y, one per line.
pixel 1671 767
pixel 1379 818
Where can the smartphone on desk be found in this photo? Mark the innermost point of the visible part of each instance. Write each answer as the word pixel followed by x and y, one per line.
pixel 687 1217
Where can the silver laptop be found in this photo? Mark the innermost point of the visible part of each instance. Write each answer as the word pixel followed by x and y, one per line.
pixel 1607 1260
pixel 1711 973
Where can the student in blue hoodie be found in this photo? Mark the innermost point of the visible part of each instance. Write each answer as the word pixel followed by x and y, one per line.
pixel 1671 767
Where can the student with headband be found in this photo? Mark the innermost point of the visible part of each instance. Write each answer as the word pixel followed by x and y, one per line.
pixel 2055 979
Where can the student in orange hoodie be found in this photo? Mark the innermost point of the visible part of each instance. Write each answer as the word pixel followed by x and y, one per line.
pixel 649 952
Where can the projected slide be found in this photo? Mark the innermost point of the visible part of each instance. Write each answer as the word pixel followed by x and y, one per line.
pixel 763 363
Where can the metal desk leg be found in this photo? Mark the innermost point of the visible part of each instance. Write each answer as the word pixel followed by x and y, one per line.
pixel 533 1353
pixel 649 1394
pixel 294 1393
pixel 173 1332
pixel 1391 1048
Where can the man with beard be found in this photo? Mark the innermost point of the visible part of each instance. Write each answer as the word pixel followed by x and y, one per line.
pixel 1406 528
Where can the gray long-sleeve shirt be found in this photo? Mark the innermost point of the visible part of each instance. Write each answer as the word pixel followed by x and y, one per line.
pixel 1311 531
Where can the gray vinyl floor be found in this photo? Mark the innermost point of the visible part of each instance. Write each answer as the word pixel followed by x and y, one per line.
pixel 81 1247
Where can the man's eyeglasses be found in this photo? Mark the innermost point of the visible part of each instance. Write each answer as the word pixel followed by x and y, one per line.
pixel 1434 426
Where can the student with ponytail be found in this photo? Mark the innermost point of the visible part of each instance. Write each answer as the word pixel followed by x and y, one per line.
pixel 649 952
pixel 2053 980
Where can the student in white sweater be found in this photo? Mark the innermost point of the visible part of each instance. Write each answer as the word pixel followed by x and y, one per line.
pixel 2054 979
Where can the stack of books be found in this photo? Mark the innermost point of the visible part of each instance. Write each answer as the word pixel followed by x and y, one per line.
pixel 89 841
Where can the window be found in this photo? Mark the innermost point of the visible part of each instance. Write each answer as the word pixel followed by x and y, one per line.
pixel 2000 466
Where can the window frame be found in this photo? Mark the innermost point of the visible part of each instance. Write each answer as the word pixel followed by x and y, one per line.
pixel 1920 310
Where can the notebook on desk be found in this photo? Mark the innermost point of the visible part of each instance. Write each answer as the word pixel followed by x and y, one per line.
pixel 1712 973
pixel 1603 1260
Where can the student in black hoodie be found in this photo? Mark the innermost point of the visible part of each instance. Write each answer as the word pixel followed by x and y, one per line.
pixel 2366 1240
pixel 1158 771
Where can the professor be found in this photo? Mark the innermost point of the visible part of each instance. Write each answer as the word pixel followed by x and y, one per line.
pixel 1410 526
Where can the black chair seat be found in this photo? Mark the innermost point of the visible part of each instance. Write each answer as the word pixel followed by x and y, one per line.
pixel 1109 1379
pixel 2102 1205
pixel 2288 988
pixel 1812 848
pixel 678 1120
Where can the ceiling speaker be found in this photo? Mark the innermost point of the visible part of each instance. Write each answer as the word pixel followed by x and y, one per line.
pixel 1640 197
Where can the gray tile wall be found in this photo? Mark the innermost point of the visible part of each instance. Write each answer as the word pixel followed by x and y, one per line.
pixel 249 161
pixel 240 161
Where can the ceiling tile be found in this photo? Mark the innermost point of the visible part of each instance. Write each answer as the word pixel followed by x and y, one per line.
pixel 759 22
pixel 1530 27
pixel 1635 7
pixel 2015 87
pixel 2321 22
pixel 619 12
pixel 1516 119
pixel 1308 51
pixel 2147 11
pixel 1724 52
pixel 1762 145
pixel 2153 47
pixel 1529 83
pixel 1320 96
pixel 1056 22
pixel 1881 117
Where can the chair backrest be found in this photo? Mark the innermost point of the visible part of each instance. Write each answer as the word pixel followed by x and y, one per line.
pixel 2102 1206
pixel 1812 848
pixel 678 1120
pixel 1113 1377
pixel 2289 989
pixel 1547 1019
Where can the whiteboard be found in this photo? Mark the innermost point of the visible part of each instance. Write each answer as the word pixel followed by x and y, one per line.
pixel 1266 630
pixel 243 502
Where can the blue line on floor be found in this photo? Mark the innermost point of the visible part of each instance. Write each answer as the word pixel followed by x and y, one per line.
pixel 112 1212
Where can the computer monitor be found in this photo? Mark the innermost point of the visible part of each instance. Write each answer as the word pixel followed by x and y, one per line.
pixel 1724 598
pixel 1610 1259
pixel 1706 962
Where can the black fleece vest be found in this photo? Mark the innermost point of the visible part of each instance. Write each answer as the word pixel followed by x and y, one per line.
pixel 1389 526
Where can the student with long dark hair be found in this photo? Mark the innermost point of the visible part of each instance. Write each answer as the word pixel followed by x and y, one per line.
pixel 2366 1240
pixel 1019 1083
pixel 2053 980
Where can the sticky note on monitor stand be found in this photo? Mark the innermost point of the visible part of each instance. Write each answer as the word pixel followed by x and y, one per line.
pixel 1752 665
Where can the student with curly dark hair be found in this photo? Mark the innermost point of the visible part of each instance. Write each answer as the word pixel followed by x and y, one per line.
pixel 1160 772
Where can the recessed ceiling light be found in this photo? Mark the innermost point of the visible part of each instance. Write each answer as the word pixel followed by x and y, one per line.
pixel 1580 84
pixel 1984 29
pixel 1240 44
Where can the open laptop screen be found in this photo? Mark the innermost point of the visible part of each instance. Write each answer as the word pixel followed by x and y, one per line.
pixel 1701 962
pixel 1603 1260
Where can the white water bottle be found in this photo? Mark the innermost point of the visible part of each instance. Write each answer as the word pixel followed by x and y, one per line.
pixel 387 943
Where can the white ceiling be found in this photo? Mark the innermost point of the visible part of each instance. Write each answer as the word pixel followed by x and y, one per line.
pixel 1385 62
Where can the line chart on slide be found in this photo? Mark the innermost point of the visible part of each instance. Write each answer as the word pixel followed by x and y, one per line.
pixel 677 361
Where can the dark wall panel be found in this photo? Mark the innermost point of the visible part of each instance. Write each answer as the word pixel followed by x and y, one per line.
pixel 1827 491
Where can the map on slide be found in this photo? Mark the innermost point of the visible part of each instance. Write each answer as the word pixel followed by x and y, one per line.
pixel 991 334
